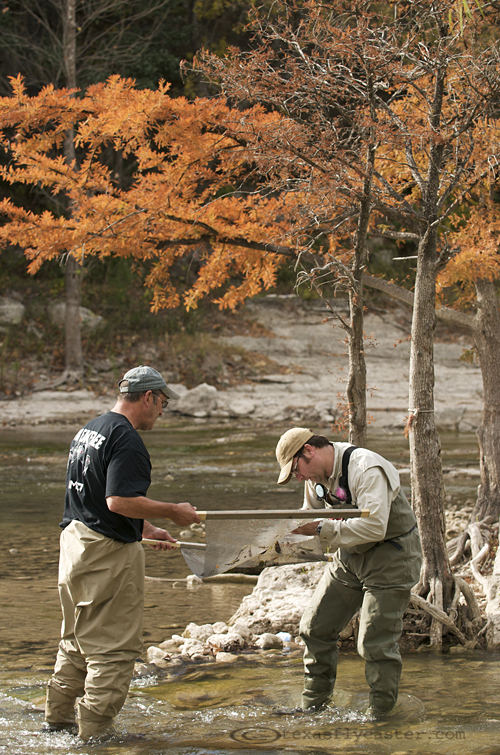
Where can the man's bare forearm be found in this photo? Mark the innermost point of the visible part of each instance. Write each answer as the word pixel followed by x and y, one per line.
pixel 141 507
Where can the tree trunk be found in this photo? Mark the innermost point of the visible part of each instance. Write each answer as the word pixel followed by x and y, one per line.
pixel 487 340
pixel 69 42
pixel 73 367
pixel 425 446
pixel 356 383
pixel 484 327
pixel 73 357
pixel 73 362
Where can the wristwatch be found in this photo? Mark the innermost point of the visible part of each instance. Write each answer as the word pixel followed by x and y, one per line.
pixel 319 527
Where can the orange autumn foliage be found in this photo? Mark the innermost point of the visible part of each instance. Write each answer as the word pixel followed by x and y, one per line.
pixel 245 186
pixel 476 257
pixel 180 194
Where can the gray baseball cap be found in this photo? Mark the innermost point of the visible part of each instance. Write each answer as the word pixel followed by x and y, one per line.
pixel 144 378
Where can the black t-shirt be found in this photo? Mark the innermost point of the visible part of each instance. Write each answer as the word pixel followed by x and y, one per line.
pixel 106 457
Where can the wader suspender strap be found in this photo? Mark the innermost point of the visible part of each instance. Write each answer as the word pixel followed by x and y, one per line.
pixel 343 480
pixel 344 484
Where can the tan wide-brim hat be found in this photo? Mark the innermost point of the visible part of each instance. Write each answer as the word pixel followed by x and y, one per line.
pixel 288 445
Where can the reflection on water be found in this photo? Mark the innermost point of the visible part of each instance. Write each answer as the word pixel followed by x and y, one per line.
pixel 448 704
pixel 221 708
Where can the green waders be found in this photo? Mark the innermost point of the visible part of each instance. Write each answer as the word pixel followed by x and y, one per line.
pixel 378 584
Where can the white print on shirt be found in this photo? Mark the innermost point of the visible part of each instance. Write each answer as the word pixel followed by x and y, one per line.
pixel 86 437
pixel 77 485
pixel 81 443
pixel 86 465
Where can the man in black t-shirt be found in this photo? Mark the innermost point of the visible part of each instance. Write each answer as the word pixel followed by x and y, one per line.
pixel 101 568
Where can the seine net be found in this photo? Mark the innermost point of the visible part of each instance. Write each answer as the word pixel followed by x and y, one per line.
pixel 253 542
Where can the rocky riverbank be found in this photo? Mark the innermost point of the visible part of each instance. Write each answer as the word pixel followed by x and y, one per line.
pixel 307 387
pixel 267 620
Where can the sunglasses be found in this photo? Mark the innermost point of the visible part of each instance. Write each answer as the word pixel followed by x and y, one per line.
pixel 164 401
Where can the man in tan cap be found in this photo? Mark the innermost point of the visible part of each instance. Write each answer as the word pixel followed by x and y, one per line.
pixel 376 562
pixel 101 567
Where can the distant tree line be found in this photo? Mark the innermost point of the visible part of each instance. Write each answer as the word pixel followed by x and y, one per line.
pixel 145 41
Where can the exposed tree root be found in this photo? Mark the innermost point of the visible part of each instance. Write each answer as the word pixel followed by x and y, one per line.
pixel 465 589
pixel 441 618
pixel 456 547
pixel 472 620
pixel 474 615
pixel 68 377
pixel 436 595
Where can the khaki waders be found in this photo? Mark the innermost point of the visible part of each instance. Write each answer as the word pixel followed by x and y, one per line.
pixel 378 584
pixel 101 587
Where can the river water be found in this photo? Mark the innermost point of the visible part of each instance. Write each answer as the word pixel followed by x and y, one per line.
pixel 448 704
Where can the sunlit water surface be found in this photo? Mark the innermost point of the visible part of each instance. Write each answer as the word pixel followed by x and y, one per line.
pixel 448 704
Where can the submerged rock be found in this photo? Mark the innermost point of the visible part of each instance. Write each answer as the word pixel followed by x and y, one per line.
pixel 156 654
pixel 223 657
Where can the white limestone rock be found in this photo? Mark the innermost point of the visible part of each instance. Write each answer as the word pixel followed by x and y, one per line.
pixel 229 642
pixel 88 319
pixel 195 632
pixel 155 654
pixel 220 627
pixel 170 646
pixel 242 630
pixel 192 647
pixel 198 402
pixel 11 311
pixel 279 598
pixel 449 418
pixel 268 641
pixel 242 407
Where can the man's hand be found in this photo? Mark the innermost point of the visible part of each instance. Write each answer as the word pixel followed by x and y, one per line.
pixel 306 529
pixel 150 532
pixel 184 513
